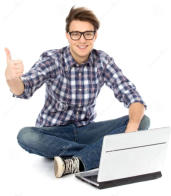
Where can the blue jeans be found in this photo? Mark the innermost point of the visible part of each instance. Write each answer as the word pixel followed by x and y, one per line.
pixel 66 141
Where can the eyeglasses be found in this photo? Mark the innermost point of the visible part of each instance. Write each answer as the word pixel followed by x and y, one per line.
pixel 76 35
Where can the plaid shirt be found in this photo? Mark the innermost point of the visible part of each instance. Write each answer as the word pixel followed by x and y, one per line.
pixel 72 89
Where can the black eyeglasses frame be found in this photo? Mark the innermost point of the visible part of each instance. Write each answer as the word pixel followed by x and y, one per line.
pixel 81 33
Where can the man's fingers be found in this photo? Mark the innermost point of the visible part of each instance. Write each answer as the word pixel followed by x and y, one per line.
pixel 18 69
pixel 8 54
pixel 15 68
pixel 18 65
pixel 19 74
pixel 17 61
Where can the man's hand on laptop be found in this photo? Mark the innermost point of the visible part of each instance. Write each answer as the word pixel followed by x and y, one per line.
pixel 136 112
pixel 131 127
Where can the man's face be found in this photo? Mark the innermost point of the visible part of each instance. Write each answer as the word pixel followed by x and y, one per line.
pixel 80 49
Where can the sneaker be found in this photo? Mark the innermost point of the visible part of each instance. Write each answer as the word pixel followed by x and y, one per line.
pixel 65 166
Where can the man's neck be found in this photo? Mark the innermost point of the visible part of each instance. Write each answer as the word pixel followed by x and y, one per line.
pixel 78 59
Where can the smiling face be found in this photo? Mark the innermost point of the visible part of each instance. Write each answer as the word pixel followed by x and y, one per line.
pixel 80 49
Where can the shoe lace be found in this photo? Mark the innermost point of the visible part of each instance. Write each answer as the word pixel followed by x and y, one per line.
pixel 71 165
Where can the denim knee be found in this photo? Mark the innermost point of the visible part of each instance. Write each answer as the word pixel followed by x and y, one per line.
pixel 145 123
pixel 26 137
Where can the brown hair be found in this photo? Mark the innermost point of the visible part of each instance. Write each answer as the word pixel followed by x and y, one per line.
pixel 82 14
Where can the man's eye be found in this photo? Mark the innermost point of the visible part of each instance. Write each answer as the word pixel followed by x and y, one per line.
pixel 89 34
pixel 75 34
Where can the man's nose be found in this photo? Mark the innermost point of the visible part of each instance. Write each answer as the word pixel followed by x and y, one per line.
pixel 82 39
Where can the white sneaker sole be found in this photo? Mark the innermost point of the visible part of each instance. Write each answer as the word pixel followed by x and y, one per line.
pixel 59 167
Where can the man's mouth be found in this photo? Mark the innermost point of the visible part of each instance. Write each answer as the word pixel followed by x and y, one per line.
pixel 82 47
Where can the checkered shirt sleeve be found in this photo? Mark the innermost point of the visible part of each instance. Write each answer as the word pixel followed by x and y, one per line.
pixel 39 74
pixel 124 90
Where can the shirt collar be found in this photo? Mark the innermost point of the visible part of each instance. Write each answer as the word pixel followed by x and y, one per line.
pixel 70 62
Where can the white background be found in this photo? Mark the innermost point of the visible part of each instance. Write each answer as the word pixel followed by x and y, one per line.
pixel 135 32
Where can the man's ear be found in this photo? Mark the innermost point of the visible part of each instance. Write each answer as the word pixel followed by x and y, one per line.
pixel 95 37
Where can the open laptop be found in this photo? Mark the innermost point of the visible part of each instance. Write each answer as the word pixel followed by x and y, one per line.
pixel 129 157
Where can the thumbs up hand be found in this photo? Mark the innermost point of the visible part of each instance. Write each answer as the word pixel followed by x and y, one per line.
pixel 14 69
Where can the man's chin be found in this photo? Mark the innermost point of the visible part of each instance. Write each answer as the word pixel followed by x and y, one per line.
pixel 83 54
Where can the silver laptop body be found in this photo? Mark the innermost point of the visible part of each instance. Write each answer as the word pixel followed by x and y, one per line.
pixel 129 157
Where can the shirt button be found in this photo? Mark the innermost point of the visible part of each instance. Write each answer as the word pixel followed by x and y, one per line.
pixel 80 89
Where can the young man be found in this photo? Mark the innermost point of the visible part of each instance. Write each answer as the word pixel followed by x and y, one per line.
pixel 74 75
